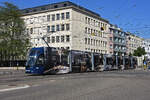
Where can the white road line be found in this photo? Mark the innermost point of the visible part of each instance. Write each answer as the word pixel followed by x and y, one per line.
pixel 15 88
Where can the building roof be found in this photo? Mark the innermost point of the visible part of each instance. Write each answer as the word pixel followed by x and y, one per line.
pixel 57 6
pixel 147 40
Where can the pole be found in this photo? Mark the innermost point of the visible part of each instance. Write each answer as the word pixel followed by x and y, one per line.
pixel 104 61
pixel 60 57
pixel 123 62
pixel 92 60
pixel 45 42
pixel 116 60
pixel 131 62
pixel 70 60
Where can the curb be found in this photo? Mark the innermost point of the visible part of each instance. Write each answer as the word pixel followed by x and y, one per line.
pixel 6 73
pixel 14 68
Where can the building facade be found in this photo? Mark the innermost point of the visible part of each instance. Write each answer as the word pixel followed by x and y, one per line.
pixel 67 25
pixel 117 41
pixel 146 45
pixel 133 42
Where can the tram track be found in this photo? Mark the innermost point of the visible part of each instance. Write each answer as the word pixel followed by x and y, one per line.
pixel 23 78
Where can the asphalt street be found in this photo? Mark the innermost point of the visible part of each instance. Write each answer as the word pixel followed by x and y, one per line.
pixel 113 85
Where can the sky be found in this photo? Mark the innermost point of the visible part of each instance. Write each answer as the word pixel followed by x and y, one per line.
pixel 130 15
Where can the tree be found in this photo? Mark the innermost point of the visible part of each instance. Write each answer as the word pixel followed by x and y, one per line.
pixel 139 52
pixel 13 39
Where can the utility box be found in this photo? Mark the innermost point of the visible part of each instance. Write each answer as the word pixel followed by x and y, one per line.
pixel 139 62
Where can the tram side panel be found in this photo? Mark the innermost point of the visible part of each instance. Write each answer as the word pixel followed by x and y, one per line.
pixel 81 61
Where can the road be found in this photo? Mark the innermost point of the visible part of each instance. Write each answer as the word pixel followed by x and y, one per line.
pixel 114 85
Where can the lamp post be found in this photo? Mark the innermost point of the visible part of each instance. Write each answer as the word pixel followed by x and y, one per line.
pixel 123 61
pixel 117 59
pixel 131 58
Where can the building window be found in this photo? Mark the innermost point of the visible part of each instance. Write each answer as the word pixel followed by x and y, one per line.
pixel 110 38
pixel 27 31
pixel 57 16
pixel 94 22
pixel 53 17
pixel 67 48
pixel 67 38
pixel 31 21
pixel 48 17
pixel 27 11
pixel 85 29
pixel 67 27
pixel 88 40
pixel 48 39
pixel 44 18
pixel 57 38
pixel 55 6
pixel 48 29
pixel 111 46
pixel 89 30
pixel 94 42
pixel 86 20
pixel 53 39
pixel 62 38
pixel 91 41
pixel 85 40
pixel 67 15
pixel 31 31
pixel 57 28
pixel 99 42
pixel 53 28
pixel 62 27
pixel 65 5
pixel 91 22
pixel 62 16
pixel 43 8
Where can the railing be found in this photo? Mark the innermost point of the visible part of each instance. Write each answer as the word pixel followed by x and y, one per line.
pixel 15 63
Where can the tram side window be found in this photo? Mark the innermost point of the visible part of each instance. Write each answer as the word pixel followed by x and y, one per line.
pixel 96 60
pixel 64 59
pixel 109 61
pixel 77 59
pixel 54 58
pixel 40 60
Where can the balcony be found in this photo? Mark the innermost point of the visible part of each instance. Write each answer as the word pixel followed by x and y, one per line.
pixel 119 35
pixel 119 50
pixel 119 43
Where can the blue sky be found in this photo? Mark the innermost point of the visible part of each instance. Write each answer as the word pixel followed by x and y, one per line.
pixel 130 15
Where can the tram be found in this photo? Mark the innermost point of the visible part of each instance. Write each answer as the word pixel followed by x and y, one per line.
pixel 50 60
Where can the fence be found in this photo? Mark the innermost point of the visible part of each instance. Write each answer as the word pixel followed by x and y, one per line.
pixel 14 63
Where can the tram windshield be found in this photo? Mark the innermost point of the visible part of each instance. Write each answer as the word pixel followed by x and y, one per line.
pixel 32 58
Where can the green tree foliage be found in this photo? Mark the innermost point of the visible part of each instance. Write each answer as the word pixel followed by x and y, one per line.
pixel 13 40
pixel 139 52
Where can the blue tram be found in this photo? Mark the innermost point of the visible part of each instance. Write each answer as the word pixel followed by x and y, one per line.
pixel 49 60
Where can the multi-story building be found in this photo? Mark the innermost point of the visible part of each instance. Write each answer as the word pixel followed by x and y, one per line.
pixel 133 42
pixel 146 45
pixel 117 41
pixel 67 25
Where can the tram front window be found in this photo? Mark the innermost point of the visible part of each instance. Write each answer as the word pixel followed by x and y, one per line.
pixel 31 58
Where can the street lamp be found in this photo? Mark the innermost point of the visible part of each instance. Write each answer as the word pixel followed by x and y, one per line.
pixel 116 59
pixel 123 61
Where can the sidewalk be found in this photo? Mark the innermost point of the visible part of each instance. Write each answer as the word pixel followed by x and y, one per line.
pixel 11 71
pixel 15 68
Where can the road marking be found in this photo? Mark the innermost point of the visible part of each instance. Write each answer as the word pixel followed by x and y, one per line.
pixel 15 88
